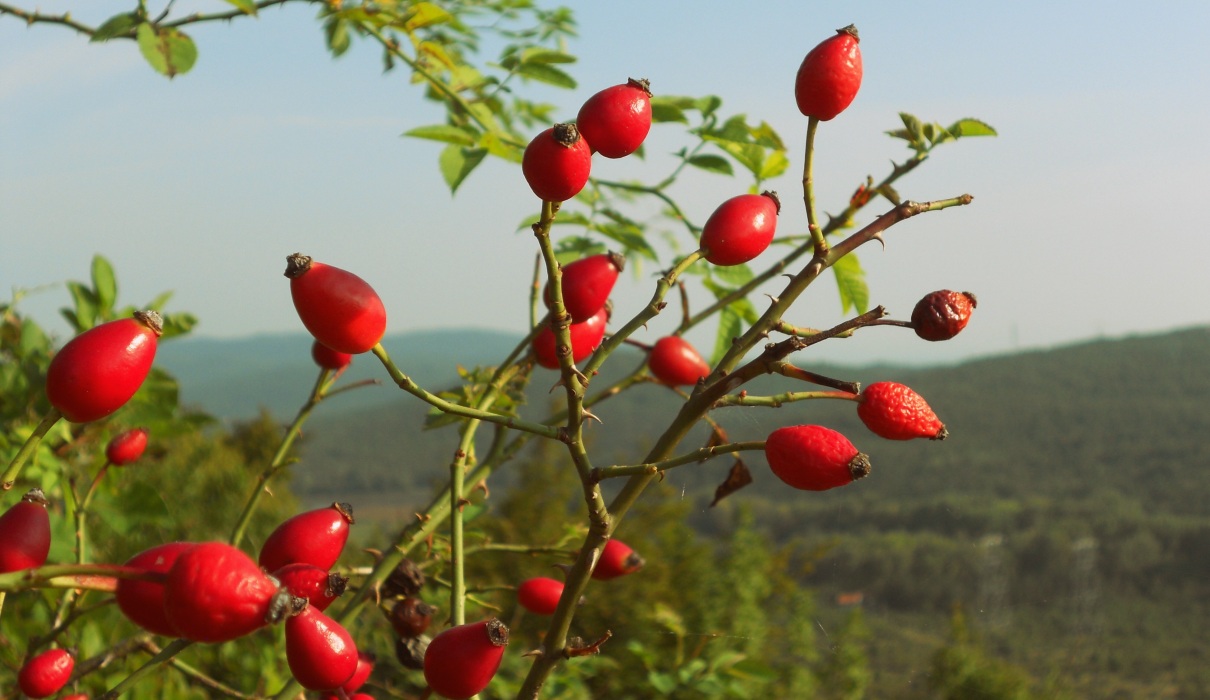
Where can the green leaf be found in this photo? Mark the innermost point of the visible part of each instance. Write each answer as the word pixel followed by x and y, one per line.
pixel 732 275
pixel 177 324
pixel 748 155
pixel 775 164
pixel 912 124
pixel 537 55
pixel 708 105
pixel 457 162
pixel 712 163
pixel 630 237
pixel 730 326
pixel 248 7
pixel 336 34
pixel 751 669
pixel 169 51
pixel 425 14
pixel 850 282
pixel 666 108
pixel 118 25
pixel 105 285
pixel 85 301
pixel 575 247
pixel 436 418
pixel 498 146
pixel 767 137
pixel 457 135
pixel 546 73
pixel 971 127
pixel 158 303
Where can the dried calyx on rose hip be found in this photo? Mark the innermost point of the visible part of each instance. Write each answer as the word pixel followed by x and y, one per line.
pixel 338 308
pixel 740 229
pixel 98 371
pixel 943 314
pixel 616 120
pixel 316 537
pixel 462 660
pixel 814 458
pixel 586 285
pixel 895 412
pixel 318 586
pixel 556 163
pixel 25 533
pixel 829 76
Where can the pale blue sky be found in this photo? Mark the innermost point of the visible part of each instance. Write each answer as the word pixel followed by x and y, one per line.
pixel 1086 220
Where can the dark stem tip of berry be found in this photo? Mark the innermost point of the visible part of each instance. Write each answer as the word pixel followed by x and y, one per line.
pixel 941 434
pixel 851 30
pixel 151 319
pixel 641 83
pixel 336 585
pixel 497 632
pixel 974 301
pixel 297 264
pixel 566 134
pixel 776 200
pixel 619 261
pixel 633 562
pixel 859 466
pixel 283 604
pixel 346 510
pixel 35 495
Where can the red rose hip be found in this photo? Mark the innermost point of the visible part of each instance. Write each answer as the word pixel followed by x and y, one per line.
pixel 142 602
pixel 126 448
pixel 462 660
pixel 587 283
pixel 616 120
pixel 943 314
pixel 675 362
pixel 319 650
pixel 98 371
pixel 47 673
pixel 814 458
pixel 829 76
pixel 895 412
pixel 25 533
pixel 585 337
pixel 740 229
pixel 556 163
pixel 617 559
pixel 540 595
pixel 216 593
pixel 316 537
pixel 327 358
pixel 338 308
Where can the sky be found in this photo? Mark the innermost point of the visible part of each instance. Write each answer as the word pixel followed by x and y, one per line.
pixel 203 184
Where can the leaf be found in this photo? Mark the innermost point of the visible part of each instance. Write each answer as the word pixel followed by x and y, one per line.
pixel 971 127
pixel 158 303
pixel 775 164
pixel 105 285
pixel 85 301
pixel 537 55
pixel 457 135
pixel 764 135
pixel 737 478
pixel 425 14
pixel 116 26
pixel 457 162
pixel 169 51
pixel 850 282
pixel 546 73
pixel 752 669
pixel 712 163
pixel 667 108
pixel 730 326
pixel 708 105
pixel 336 34
pixel 912 124
pixel 630 237
pixel 733 275
pixel 576 247
pixel 248 7
pixel 748 155
pixel 496 145
pixel 436 418
pixel 177 324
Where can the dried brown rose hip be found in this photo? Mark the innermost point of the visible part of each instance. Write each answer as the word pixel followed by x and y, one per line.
pixel 943 314
pixel 411 617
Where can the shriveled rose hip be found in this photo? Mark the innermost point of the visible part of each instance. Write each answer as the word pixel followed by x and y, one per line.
pixel 895 412
pixel 814 458
pixel 943 314
pixel 411 616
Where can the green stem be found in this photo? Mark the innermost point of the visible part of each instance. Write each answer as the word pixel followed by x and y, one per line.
pixel 808 190
pixel 778 400
pixel 695 457
pixel 322 383
pixel 9 478
pixel 164 656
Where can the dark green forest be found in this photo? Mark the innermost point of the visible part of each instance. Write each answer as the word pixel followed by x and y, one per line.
pixel 1056 545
